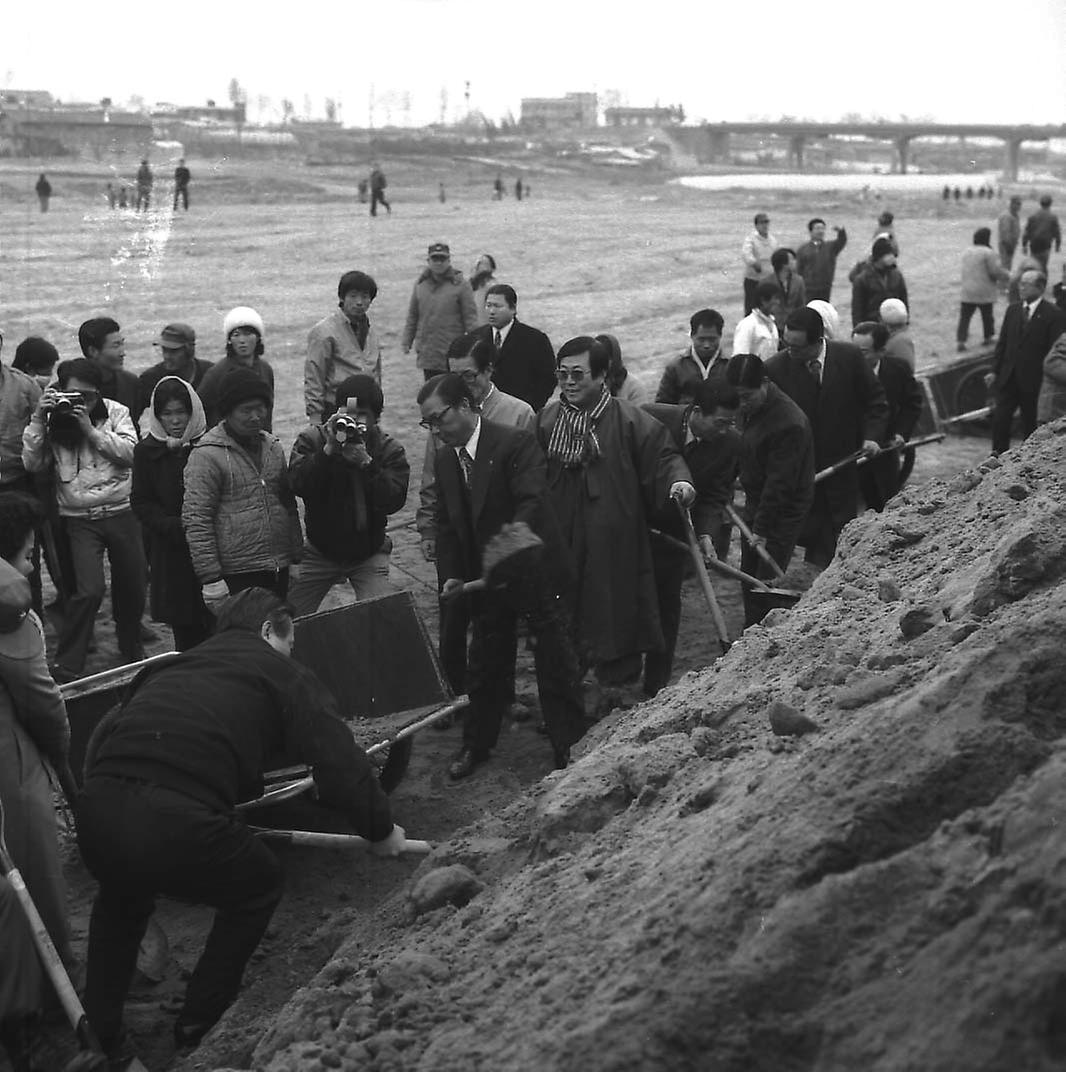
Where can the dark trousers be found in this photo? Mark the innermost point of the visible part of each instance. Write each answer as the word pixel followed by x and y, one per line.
pixel 378 197
pixel 1006 253
pixel 669 564
pixel 120 536
pixel 1009 398
pixel 751 563
pixel 183 193
pixel 140 841
pixel 750 286
pixel 454 630
pixel 555 658
pixel 273 581
pixel 966 311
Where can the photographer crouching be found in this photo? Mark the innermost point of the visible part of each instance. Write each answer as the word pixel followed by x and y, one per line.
pixel 351 475
pixel 88 440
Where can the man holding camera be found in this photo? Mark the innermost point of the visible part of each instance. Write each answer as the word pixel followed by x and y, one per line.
pixel 351 475
pixel 88 440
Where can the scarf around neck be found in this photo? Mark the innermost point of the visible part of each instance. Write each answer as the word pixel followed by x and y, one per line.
pixel 573 440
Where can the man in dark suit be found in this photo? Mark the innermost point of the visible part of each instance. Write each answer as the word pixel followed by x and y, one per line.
pixel 881 477
pixel 846 407
pixel 525 366
pixel 489 475
pixel 704 433
pixel 1030 328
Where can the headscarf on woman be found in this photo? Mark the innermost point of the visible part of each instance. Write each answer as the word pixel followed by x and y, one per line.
pixel 830 318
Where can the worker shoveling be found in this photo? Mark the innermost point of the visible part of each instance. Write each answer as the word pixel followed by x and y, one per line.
pixel 508 558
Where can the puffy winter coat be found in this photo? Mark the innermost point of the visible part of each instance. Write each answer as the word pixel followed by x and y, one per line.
pixel 239 516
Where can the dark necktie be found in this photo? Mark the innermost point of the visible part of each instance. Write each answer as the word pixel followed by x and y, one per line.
pixel 1025 314
pixel 466 463
pixel 815 369
pixel 361 326
pixel 499 341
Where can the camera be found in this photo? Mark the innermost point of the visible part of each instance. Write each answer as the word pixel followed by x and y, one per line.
pixel 349 429
pixel 65 401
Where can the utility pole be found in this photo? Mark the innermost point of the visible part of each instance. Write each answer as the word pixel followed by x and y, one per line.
pixel 443 104
pixel 466 94
pixel 371 106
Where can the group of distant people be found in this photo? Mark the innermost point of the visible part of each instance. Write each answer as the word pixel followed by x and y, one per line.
pixel 143 185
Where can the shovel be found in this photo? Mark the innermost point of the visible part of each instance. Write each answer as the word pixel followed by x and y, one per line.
pixel 748 535
pixel 506 557
pixel 705 580
pixel 319 840
pixel 92 1056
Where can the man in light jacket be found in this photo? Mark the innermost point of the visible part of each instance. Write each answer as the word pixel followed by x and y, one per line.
pixel 982 273
pixel 88 440
pixel 756 251
pixel 441 309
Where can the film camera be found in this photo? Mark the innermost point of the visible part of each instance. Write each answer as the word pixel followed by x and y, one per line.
pixel 348 428
pixel 63 403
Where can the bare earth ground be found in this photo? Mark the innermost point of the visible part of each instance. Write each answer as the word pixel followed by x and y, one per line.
pixel 584 255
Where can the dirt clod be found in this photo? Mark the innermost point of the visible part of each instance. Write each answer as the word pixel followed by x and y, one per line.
pixel 786 721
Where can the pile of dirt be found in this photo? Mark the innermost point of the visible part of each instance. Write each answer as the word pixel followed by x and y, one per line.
pixel 837 847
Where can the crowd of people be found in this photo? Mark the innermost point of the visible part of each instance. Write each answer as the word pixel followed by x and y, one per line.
pixel 176 475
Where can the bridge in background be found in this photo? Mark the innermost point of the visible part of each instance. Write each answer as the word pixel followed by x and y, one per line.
pixel 710 142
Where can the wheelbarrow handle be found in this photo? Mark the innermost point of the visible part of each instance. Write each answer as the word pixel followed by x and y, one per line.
pixel 748 535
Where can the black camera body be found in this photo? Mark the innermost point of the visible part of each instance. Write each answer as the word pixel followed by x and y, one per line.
pixel 349 429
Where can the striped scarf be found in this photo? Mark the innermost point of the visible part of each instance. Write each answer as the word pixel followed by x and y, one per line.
pixel 573 439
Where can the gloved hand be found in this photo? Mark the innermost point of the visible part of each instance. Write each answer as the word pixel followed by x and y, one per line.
pixel 393 845
pixel 707 547
pixel 683 491
pixel 871 448
pixel 294 571
pixel 214 593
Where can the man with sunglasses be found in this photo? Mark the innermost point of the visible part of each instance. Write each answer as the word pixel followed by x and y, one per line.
pixel 611 467
pixel 474 359
pixel 441 309
pixel 88 442
pixel 846 406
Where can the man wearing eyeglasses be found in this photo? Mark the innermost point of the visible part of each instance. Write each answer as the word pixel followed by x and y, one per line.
pixel 441 309
pixel 705 434
pixel 474 359
pixel 611 467
pixel 846 406
pixel 88 441
pixel 489 475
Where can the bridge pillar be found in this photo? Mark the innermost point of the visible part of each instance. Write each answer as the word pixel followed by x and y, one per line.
pixel 719 147
pixel 1010 164
pixel 903 145
pixel 795 151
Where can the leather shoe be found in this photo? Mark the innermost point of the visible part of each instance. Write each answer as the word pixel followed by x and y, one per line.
pixel 561 757
pixel 464 764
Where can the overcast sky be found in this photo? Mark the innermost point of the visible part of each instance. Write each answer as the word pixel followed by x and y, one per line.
pixel 974 60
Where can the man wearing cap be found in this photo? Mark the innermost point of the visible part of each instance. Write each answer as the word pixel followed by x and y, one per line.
pixel 341 345
pixel 177 348
pixel 1042 224
pixel 441 309
pixel 756 251
pixel 243 331
pixel 351 475
pixel 816 259
pixel 1009 227
pixel 877 279
pixel 239 513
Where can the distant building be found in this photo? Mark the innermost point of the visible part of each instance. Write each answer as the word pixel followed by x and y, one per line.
pixel 575 111
pixel 236 115
pixel 26 98
pixel 645 117
pixel 76 129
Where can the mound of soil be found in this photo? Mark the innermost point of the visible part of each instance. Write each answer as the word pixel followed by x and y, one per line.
pixel 837 847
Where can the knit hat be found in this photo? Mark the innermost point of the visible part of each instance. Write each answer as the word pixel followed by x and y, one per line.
pixel 893 311
pixel 881 247
pixel 242 385
pixel 361 391
pixel 242 317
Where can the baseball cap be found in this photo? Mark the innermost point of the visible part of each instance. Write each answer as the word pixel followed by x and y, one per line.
pixel 175 336
pixel 440 249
